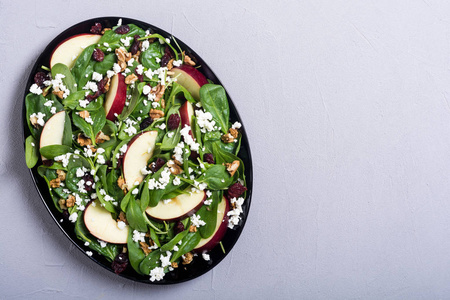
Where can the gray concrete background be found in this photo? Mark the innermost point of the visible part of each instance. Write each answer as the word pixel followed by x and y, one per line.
pixel 346 104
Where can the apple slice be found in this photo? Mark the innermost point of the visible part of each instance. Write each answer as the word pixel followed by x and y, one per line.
pixel 186 113
pixel 115 97
pixel 53 131
pixel 178 208
pixel 100 224
pixel 190 78
pixel 219 232
pixel 68 50
pixel 140 149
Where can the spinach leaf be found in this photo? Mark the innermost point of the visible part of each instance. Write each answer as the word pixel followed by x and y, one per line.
pixel 214 100
pixel 145 196
pixel 111 36
pixel 170 141
pixel 135 253
pixel 82 62
pixel 134 101
pixel 169 245
pixel 148 57
pixel 86 76
pixel 134 215
pixel 209 215
pixel 125 201
pixel 110 129
pixel 68 79
pixel 73 99
pixel 72 180
pixel 188 244
pixel 101 173
pixel 109 252
pixel 113 189
pixel 105 65
pixel 52 151
pixel 150 262
pixel 31 151
pixel 176 90
pixel 98 118
pixel 157 194
pixel 35 104
pixel 216 177
pixel 222 157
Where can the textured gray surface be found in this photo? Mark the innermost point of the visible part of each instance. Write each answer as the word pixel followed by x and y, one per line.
pixel 346 107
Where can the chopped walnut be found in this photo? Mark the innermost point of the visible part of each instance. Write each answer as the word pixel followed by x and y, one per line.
pixel 174 168
pixel 62 204
pixel 101 138
pixel 145 248
pixel 61 175
pixel 233 132
pixel 122 218
pixel 170 64
pixel 188 61
pixel 158 91
pixel 83 140
pixel 163 103
pixel 121 183
pixel 55 183
pixel 188 257
pixel 156 113
pixel 34 121
pixel 192 228
pixel 122 65
pixel 227 138
pixel 105 30
pixel 174 265
pixel 107 84
pixel 92 148
pixel 58 93
pixel 121 54
pixel 70 201
pixel 232 168
pixel 84 114
pixel 136 56
pixel 130 79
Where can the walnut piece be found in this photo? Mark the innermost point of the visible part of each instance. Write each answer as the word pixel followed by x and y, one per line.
pixel 105 30
pixel 122 65
pixel 174 168
pixel 55 183
pixel 130 79
pixel 145 248
pixel 62 204
pixel 136 56
pixel 121 183
pixel 174 265
pixel 70 201
pixel 232 168
pixel 84 114
pixel 58 93
pixel 170 64
pixel 122 217
pixel 227 138
pixel 158 91
pixel 156 113
pixel 34 121
pixel 192 228
pixel 121 54
pixel 188 61
pixel 83 141
pixel 107 84
pixel 101 138
pixel 234 133
pixel 61 175
pixel 188 257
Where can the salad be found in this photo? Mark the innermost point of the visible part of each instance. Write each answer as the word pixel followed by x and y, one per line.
pixel 137 148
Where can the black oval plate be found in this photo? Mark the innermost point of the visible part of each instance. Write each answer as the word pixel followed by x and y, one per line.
pixel 198 266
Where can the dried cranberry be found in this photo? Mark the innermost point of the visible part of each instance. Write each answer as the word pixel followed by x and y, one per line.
pixel 47 162
pixel 88 178
pixel 209 158
pixel 66 215
pixel 168 55
pixel 101 85
pixel 235 190
pixel 123 29
pixel 140 77
pixel 145 123
pixel 39 78
pixel 179 227
pixel 91 98
pixel 158 164
pixel 96 29
pixel 98 55
pixel 173 122
pixel 120 263
pixel 136 45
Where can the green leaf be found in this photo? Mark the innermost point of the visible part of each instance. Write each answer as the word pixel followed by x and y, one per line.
pixel 149 56
pixel 176 90
pixel 72 180
pixel 135 253
pixel 214 100
pixel 209 215
pixel 188 244
pixel 35 104
pixel 216 177
pixel 125 201
pixel 98 118
pixel 145 196
pixel 150 262
pixel 134 101
pixel 73 99
pixel 68 80
pixel 169 245
pixel 134 215
pixel 82 62
pixel 52 151
pixel 31 151
pixel 105 65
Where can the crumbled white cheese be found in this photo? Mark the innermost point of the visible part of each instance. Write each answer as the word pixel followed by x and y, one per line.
pixel 35 89
pixel 236 125
pixel 138 236
pixel 90 85
pixel 126 41
pixel 157 274
pixel 176 181
pixel 234 215
pixel 89 253
pixel 121 225
pixel 188 138
pixel 97 76
pixel 73 217
pixel 196 221
pixel 177 63
pixel 206 256
pixel 123 149
pixel 205 121
pixel 40 118
pixel 83 103
pixel 116 68
pixel 101 159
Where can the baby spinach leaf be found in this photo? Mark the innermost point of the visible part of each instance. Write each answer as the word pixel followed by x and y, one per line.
pixel 216 177
pixel 110 129
pixel 31 151
pixel 176 90
pixel 82 62
pixel 109 252
pixel 68 80
pixel 150 262
pixel 73 99
pixel 86 76
pixel 125 201
pixel 209 215
pixel 169 245
pixel 188 244
pixel 214 100
pixel 72 180
pixel 111 36
pixel 222 157
pixel 134 101
pixel 113 189
pixel 157 194
pixel 134 215
pixel 148 57
pixel 145 196
pixel 52 151
pixel 169 142
pixel 154 237
pixel 105 65
pixel 36 104
pixel 98 118
pixel 135 253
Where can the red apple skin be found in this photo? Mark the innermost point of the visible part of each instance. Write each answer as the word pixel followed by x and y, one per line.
pixel 119 99
pixel 69 38
pixel 185 215
pixel 219 234
pixel 189 71
pixel 186 113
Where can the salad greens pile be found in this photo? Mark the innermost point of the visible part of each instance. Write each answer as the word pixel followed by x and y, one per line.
pixel 78 146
